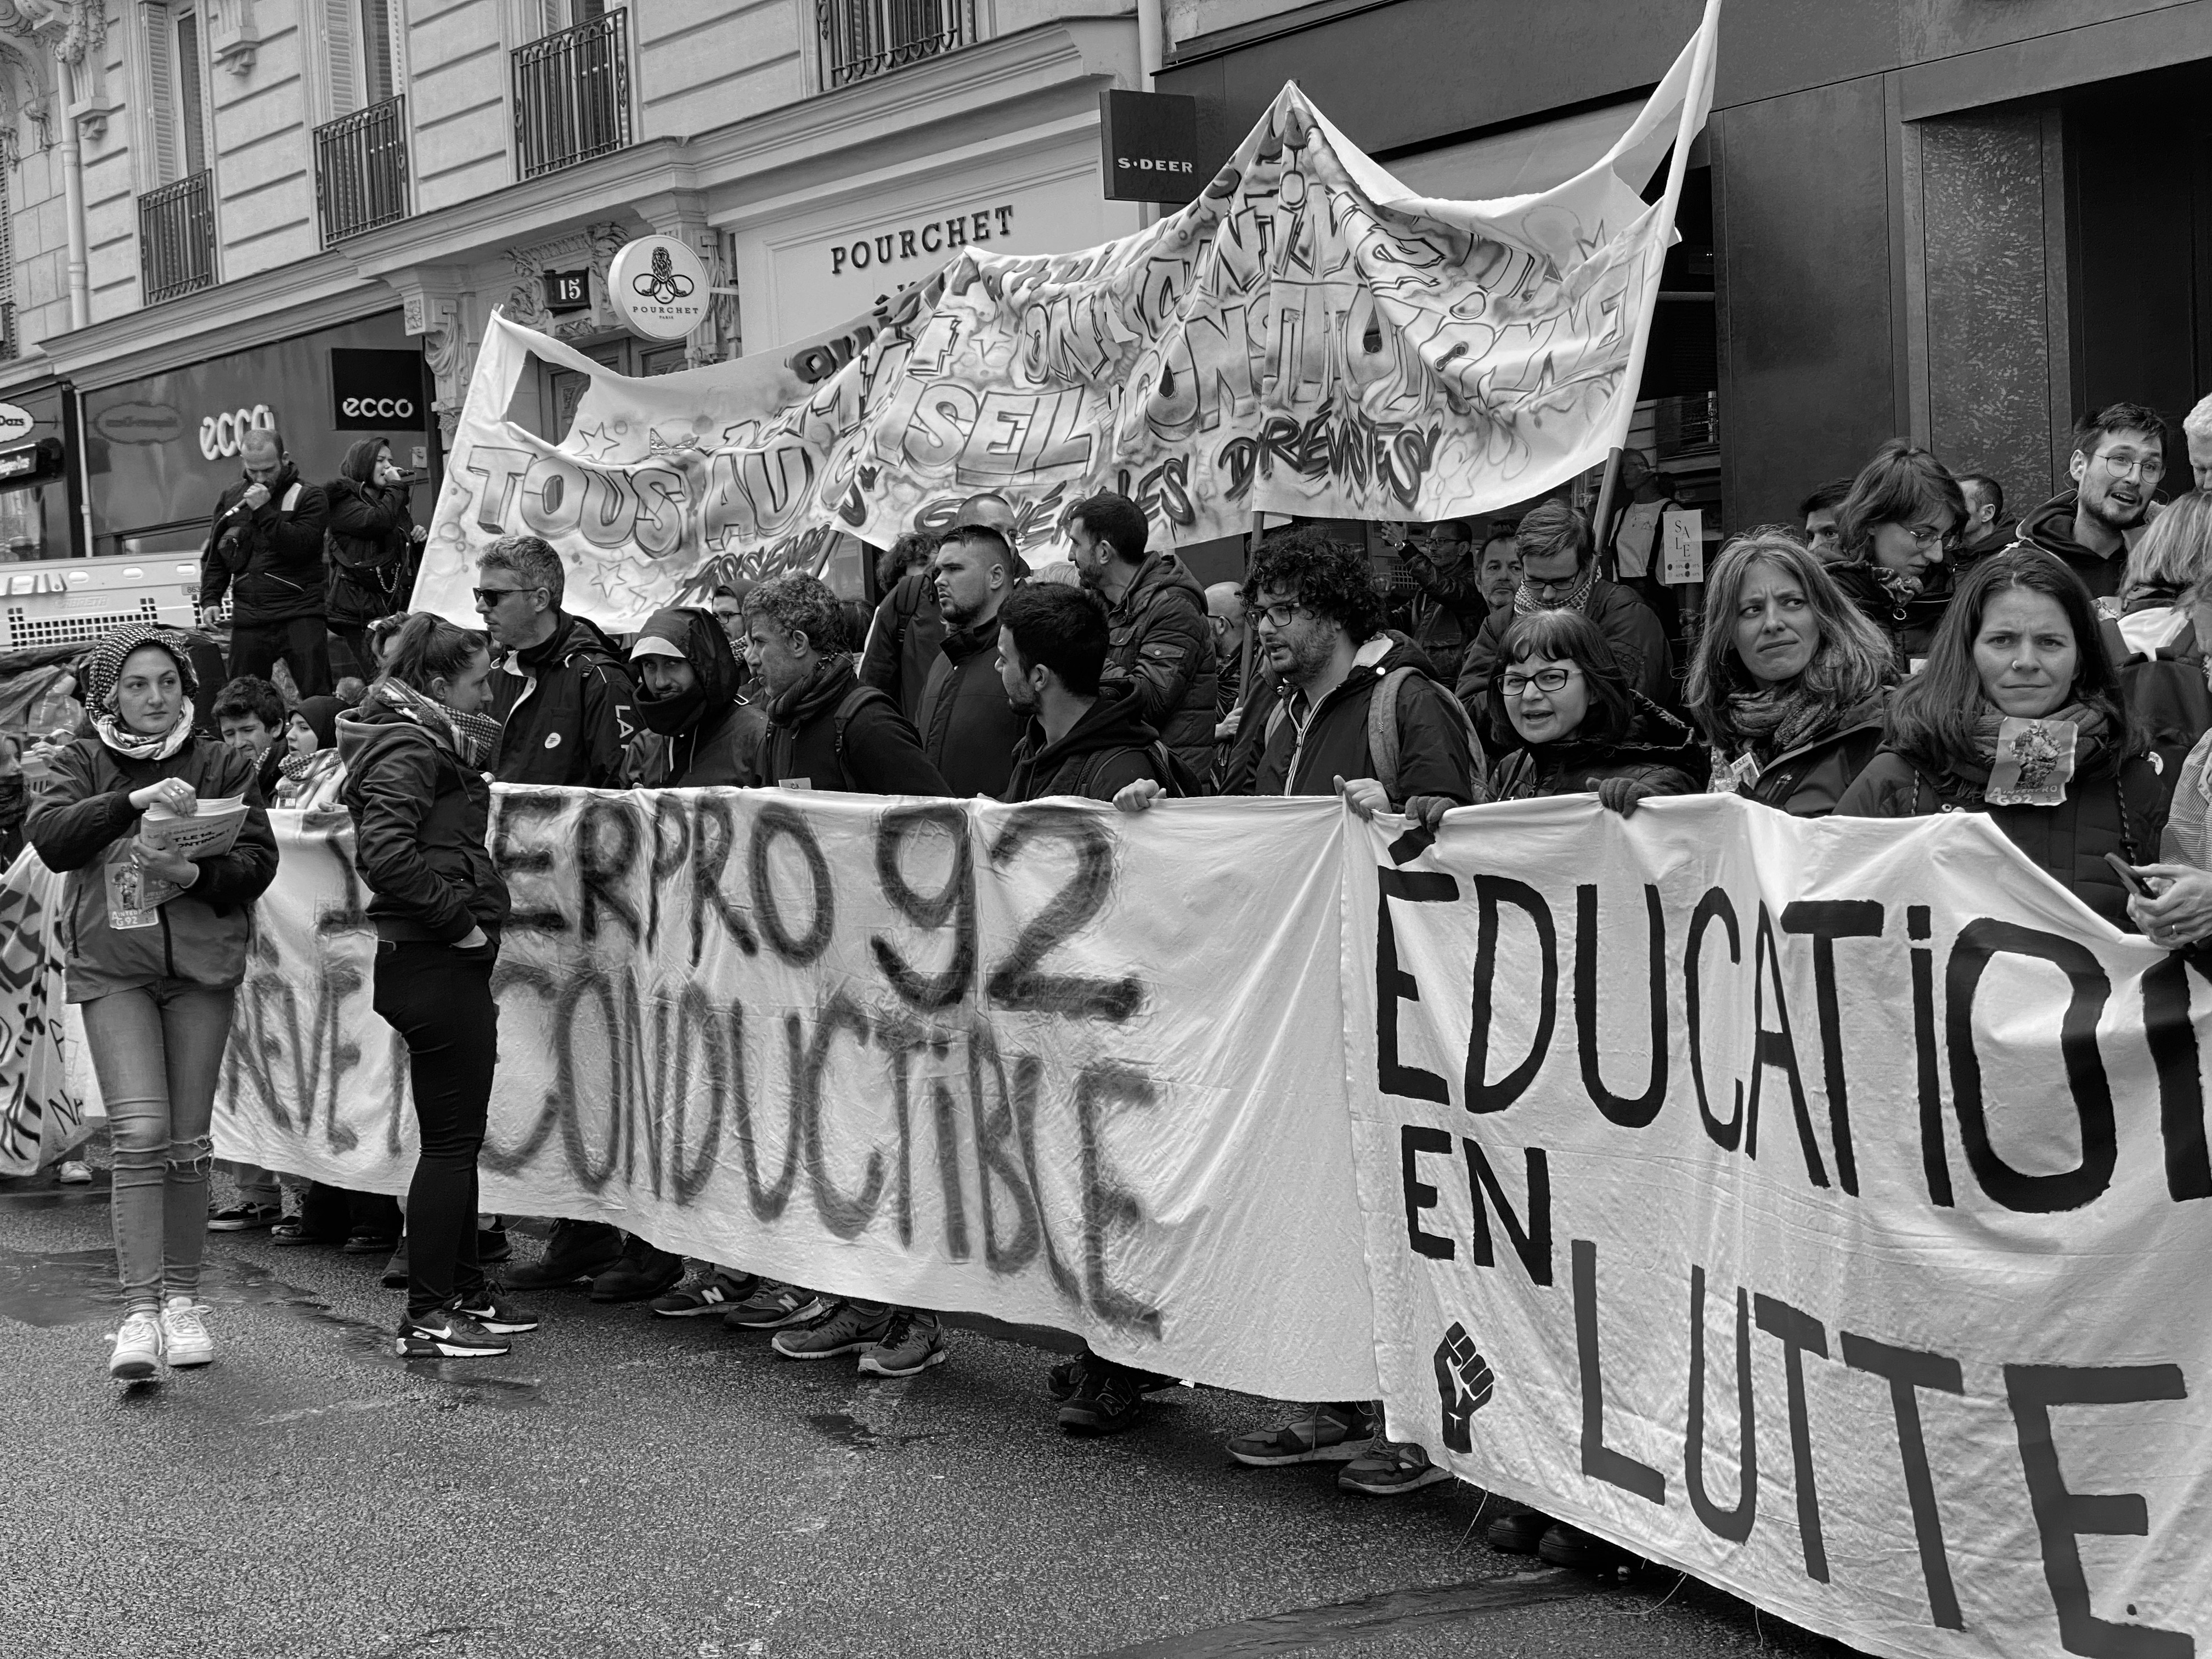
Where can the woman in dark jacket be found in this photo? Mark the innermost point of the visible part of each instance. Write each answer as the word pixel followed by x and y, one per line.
pixel 1898 528
pixel 371 545
pixel 156 950
pixel 1789 681
pixel 421 804
pixel 2019 714
pixel 1560 688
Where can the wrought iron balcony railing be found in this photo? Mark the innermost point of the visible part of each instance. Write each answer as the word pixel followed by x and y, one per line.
pixel 360 170
pixel 864 38
pixel 176 238
pixel 572 94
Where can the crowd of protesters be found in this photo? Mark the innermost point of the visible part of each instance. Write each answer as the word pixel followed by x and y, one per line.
pixel 1882 657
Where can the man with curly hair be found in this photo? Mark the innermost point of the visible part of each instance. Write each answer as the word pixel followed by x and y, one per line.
pixel 1319 625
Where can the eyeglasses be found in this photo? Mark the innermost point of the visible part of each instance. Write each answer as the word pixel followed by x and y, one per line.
pixel 1549 589
pixel 1547 680
pixel 1281 616
pixel 1927 535
pixel 2149 468
pixel 489 597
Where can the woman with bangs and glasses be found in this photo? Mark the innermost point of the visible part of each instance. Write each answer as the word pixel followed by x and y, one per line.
pixel 1789 681
pixel 1559 690
pixel 1897 528
pixel 2019 714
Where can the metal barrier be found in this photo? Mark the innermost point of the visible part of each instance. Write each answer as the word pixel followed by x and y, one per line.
pixel 862 38
pixel 360 170
pixel 572 94
pixel 176 238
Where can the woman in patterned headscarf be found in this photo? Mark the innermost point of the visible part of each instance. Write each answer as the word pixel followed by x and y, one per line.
pixel 157 947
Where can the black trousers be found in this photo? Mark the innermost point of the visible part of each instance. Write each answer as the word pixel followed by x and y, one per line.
pixel 438 998
pixel 301 642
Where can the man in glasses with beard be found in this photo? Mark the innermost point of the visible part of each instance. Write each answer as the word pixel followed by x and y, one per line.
pixel 2119 457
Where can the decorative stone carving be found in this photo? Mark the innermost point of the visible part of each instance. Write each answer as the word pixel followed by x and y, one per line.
pixel 232 36
pixel 76 33
pixel 595 247
pixel 436 306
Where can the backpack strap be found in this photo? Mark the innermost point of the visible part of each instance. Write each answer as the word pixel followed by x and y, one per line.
pixel 1382 733
pixel 851 704
pixel 1173 778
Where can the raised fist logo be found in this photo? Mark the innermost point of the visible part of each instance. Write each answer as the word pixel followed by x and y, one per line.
pixel 1464 1383
pixel 664 283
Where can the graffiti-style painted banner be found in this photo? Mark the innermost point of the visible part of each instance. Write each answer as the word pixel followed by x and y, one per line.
pixel 1308 338
pixel 41 1105
pixel 1819 1207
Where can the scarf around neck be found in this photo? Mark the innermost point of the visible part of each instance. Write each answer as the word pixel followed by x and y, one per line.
pixel 1771 722
pixel 442 724
pixel 146 745
pixel 1526 604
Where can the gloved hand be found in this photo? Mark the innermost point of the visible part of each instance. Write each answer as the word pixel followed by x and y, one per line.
pixel 1428 810
pixel 1621 794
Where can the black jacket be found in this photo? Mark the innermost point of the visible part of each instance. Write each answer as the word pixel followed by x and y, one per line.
pixel 84 809
pixel 268 558
pixel 371 552
pixel 2106 810
pixel 709 737
pixel 968 729
pixel 1106 748
pixel 877 752
pixel 1630 627
pixel 419 818
pixel 903 641
pixel 2051 527
pixel 2163 684
pixel 1158 639
pixel 1806 781
pixel 1573 768
pixel 565 706
pixel 1434 757
pixel 1908 624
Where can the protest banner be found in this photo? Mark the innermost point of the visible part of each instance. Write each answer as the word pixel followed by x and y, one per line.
pixel 41 1108
pixel 1308 337
pixel 1003 1060
pixel 1812 1207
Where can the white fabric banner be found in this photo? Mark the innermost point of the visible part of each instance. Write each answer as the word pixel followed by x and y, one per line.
pixel 1309 337
pixel 42 1107
pixel 1815 1207
pixel 1036 1062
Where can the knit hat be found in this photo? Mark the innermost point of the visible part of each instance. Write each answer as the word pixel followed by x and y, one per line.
pixel 321 714
pixel 105 666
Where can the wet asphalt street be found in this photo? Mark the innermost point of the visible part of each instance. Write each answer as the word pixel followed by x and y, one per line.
pixel 628 1485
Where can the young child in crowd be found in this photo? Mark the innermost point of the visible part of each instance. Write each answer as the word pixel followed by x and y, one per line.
pixel 249 713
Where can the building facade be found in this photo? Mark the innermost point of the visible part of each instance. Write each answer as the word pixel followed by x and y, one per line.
pixel 1962 221
pixel 225 214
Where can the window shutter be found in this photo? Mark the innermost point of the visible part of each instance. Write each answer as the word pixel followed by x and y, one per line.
pixel 337 37
pixel 191 111
pixel 161 89
pixel 377 73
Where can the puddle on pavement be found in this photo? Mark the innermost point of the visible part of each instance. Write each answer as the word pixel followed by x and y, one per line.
pixel 77 1287
pixel 843 1429
pixel 1305 1630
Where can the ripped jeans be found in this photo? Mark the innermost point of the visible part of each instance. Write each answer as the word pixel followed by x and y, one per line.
pixel 157 1051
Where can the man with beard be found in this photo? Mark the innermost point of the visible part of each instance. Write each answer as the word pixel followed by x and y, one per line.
pixel 2119 456
pixel 1155 612
pixel 827 731
pixel 967 730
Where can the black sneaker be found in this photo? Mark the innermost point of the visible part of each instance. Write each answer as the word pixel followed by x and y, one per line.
pixel 1105 1401
pixel 367 1244
pixel 496 1313
pixel 1518 1534
pixel 578 1252
pixel 1062 1381
pixel 446 1335
pixel 644 1270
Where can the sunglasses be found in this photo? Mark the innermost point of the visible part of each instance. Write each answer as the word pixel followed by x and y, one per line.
pixel 492 596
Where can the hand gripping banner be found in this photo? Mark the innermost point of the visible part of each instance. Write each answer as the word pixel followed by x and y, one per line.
pixel 1308 337
pixel 1820 1208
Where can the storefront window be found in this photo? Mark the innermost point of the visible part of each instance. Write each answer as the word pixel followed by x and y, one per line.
pixel 28 516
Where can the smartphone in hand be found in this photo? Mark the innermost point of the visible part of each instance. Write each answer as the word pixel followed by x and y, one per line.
pixel 2129 879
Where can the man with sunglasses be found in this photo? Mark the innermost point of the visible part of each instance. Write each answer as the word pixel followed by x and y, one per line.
pixel 2119 459
pixel 564 698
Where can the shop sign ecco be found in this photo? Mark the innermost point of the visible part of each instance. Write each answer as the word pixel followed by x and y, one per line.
pixel 222 435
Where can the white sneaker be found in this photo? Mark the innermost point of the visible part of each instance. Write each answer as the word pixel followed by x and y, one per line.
pixel 184 1333
pixel 73 1172
pixel 138 1348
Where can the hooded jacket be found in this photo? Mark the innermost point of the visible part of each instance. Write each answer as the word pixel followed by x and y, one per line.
pixel 903 641
pixel 2161 663
pixel 2051 527
pixel 1434 757
pixel 2108 808
pixel 878 753
pixel 83 820
pixel 268 558
pixel 1638 643
pixel 2002 534
pixel 566 708
pixel 708 737
pixel 1106 748
pixel 420 817
pixel 968 729
pixel 1908 624
pixel 369 546
pixel 1158 639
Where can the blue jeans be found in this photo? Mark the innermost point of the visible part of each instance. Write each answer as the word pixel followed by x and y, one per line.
pixel 157 1051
